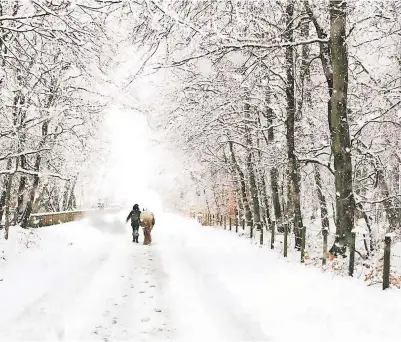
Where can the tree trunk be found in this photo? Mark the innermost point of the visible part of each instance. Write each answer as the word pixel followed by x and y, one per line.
pixel 262 182
pixel 21 190
pixel 207 202
pixel 7 220
pixel 3 196
pixel 216 202
pixel 334 61
pixel 251 172
pixel 389 203
pixel 7 180
pixel 238 201
pixel 240 205
pixel 39 200
pixel 339 129
pixel 35 185
pixel 65 195
pixel 72 201
pixel 32 193
pixel 366 218
pixel 265 199
pixel 21 114
pixel 322 199
pixel 294 186
pixel 45 129
pixel 305 71
pixel 254 190
pixel 276 198
pixel 396 188
pixel 245 202
pixel 273 170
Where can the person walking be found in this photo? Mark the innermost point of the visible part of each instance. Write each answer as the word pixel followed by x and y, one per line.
pixel 135 215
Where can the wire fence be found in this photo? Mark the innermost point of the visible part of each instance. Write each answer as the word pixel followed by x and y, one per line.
pixel 381 264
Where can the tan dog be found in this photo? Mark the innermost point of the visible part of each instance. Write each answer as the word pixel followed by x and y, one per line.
pixel 147 222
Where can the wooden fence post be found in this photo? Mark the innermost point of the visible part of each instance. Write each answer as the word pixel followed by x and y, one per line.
pixel 243 224
pixel 272 237
pixel 261 235
pixel 386 265
pixel 351 256
pixel 303 238
pixel 325 233
pixel 229 222
pixel 236 224
pixel 225 222
pixel 251 231
pixel 285 239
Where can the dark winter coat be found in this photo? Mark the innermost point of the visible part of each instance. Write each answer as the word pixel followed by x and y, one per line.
pixel 134 215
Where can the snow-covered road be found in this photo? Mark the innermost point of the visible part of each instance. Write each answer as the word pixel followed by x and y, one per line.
pixel 87 281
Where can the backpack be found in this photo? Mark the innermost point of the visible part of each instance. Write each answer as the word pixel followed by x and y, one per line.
pixel 135 218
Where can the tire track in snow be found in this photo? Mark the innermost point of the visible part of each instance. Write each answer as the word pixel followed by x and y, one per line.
pixel 232 320
pixel 117 291
pixel 204 307
pixel 136 310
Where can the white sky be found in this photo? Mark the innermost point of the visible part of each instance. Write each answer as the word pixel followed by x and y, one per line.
pixel 135 164
pixel 132 161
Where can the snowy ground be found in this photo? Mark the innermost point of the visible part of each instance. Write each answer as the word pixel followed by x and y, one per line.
pixel 86 281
